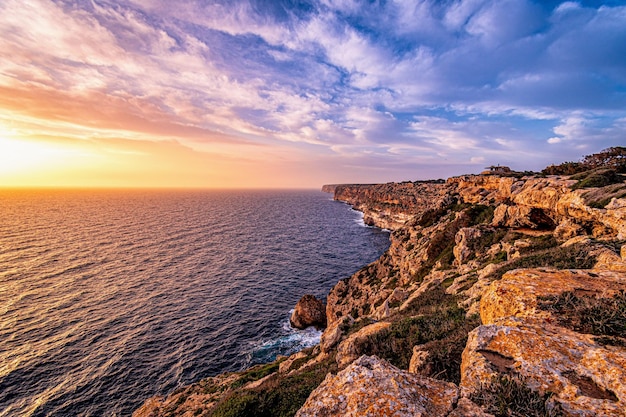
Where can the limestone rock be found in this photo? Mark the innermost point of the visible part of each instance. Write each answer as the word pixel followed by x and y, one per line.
pixel 372 387
pixel 567 229
pixel 418 359
pixel 463 249
pixel 309 311
pixel 521 216
pixel 608 260
pixel 350 349
pixel 466 408
pixel 587 379
pixel 332 334
pixel 285 366
pixel 515 295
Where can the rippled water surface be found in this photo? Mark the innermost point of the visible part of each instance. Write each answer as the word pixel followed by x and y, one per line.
pixel 110 297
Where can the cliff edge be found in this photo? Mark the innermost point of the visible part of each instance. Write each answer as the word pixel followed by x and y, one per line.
pixel 499 295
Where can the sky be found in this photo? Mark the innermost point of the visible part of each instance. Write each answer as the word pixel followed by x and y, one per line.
pixel 299 93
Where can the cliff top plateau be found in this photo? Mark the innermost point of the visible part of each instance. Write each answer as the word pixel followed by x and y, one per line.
pixel 500 295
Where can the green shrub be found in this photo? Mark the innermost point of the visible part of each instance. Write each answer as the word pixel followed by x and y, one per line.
pixel 257 372
pixel 479 214
pixel 506 396
pixel 279 397
pixel 596 178
pixel 571 257
pixel 589 314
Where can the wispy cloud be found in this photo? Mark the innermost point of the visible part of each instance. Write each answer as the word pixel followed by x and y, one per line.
pixel 467 81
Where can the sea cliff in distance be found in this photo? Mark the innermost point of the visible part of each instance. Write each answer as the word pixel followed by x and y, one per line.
pixel 500 295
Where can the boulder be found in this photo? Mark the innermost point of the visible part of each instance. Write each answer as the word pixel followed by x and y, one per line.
pixel 309 311
pixel 518 338
pixel 464 249
pixel 352 347
pixel 587 379
pixel 567 229
pixel 373 387
pixel 517 293
pixel 332 334
pixel 419 359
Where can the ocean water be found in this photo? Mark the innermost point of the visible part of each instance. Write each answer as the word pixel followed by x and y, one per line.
pixel 110 297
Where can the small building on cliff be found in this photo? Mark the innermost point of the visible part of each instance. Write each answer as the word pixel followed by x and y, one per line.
pixel 496 170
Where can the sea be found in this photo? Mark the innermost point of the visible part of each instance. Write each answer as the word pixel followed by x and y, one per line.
pixel 109 297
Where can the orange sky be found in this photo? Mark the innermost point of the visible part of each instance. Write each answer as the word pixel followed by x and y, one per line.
pixel 249 94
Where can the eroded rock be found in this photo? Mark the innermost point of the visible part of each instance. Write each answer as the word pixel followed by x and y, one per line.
pixel 586 378
pixel 351 348
pixel 517 293
pixel 309 311
pixel 373 387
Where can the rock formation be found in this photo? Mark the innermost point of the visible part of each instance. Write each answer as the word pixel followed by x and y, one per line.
pixel 309 311
pixel 496 291
pixel 372 387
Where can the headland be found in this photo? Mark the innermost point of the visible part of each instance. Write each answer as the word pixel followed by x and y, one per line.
pixel 500 294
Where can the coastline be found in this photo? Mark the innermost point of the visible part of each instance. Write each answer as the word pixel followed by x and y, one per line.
pixel 455 246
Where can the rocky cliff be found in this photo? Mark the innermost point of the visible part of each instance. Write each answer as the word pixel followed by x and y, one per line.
pixel 497 296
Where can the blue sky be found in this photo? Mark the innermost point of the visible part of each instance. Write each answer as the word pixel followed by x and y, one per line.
pixel 307 92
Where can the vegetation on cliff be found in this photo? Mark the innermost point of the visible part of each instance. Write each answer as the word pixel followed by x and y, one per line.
pixel 473 262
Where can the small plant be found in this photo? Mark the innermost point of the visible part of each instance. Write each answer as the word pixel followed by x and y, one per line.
pixel 506 396
pixel 604 317
pixel 257 372
pixel 596 178
pixel 278 397
pixel 571 257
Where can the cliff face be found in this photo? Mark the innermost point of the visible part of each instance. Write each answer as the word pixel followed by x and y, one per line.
pixel 494 290
pixel 391 205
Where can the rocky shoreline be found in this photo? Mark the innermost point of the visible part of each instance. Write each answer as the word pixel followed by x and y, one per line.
pixel 498 295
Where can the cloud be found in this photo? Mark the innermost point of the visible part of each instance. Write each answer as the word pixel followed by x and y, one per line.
pixel 465 80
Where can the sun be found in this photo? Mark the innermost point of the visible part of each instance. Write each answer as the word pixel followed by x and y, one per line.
pixel 30 160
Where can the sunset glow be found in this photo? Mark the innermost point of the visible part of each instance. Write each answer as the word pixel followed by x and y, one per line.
pixel 267 94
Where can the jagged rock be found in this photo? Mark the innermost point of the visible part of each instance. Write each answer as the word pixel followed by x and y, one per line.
pixel 418 359
pixel 623 253
pixel 332 334
pixel 466 408
pixel 463 249
pixel 519 338
pixel 576 240
pixel 285 366
pixel 516 294
pixel 608 260
pixel 522 217
pixel 587 379
pixel 384 310
pixel 567 229
pixel 372 387
pixel 391 205
pixel 351 348
pixel 309 311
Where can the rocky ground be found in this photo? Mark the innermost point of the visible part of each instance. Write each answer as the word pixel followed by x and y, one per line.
pixel 499 296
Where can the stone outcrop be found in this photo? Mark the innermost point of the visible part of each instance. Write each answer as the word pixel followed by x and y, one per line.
pixel 518 292
pixel 587 379
pixel 519 338
pixel 309 311
pixel 517 251
pixel 391 205
pixel 351 348
pixel 373 387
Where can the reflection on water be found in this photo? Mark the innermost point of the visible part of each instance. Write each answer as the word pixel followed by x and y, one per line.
pixel 109 297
